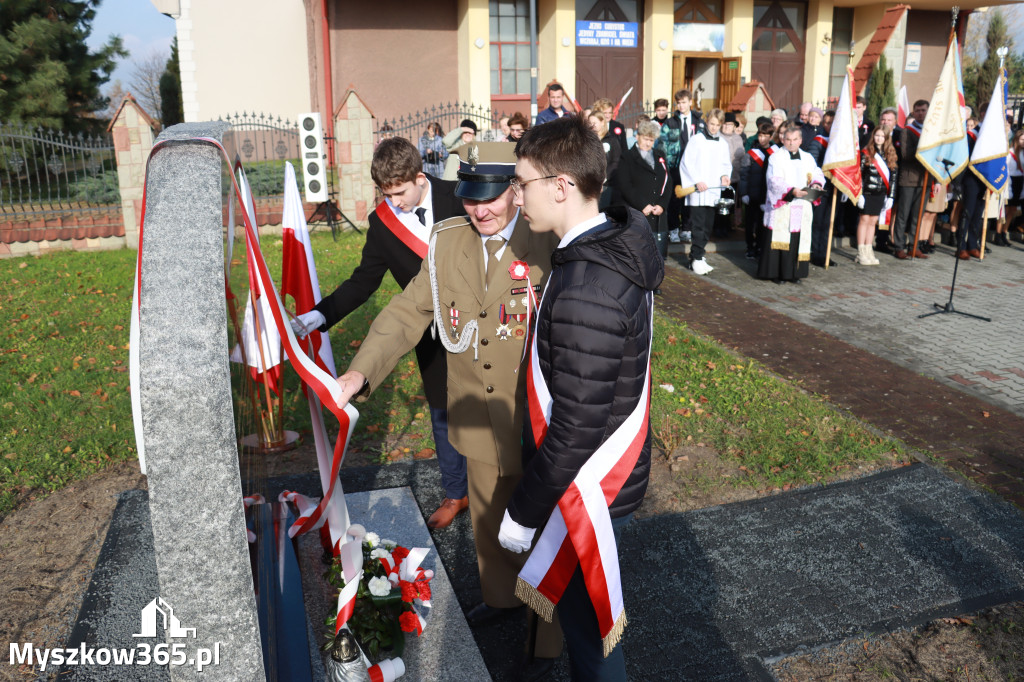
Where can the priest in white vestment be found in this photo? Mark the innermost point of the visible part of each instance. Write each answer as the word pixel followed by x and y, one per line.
pixel 788 214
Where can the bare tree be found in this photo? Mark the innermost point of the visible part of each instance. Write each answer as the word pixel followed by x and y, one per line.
pixel 144 83
pixel 116 92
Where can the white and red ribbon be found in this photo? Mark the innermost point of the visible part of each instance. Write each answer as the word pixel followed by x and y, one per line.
pixel 579 530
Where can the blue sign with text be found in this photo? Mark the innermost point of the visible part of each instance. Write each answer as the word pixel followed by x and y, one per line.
pixel 606 33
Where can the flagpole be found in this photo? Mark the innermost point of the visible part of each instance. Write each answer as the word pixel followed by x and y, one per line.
pixel 270 430
pixel 831 219
pixel 984 223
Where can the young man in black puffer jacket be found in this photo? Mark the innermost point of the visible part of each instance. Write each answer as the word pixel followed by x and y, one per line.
pixel 588 386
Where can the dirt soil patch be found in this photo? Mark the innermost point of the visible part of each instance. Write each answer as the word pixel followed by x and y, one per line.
pixel 49 546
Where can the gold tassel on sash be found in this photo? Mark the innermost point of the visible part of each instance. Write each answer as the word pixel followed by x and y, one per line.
pixel 530 596
pixel 613 637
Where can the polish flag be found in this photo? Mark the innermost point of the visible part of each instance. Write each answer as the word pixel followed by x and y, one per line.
pixel 299 280
pixel 902 108
pixel 262 343
pixel 298 271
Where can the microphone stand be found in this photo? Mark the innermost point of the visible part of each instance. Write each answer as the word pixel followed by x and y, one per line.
pixel 961 238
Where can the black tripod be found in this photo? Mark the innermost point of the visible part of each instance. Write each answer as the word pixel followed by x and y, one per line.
pixel 329 208
pixel 961 239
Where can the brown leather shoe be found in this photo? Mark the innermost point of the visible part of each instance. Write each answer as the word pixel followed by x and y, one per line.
pixel 974 253
pixel 920 254
pixel 901 254
pixel 962 255
pixel 446 513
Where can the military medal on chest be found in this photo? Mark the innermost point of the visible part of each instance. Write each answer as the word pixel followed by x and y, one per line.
pixel 453 315
pixel 503 332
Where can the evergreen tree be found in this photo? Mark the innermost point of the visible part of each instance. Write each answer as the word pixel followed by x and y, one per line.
pixel 48 76
pixel 881 90
pixel 997 36
pixel 172 110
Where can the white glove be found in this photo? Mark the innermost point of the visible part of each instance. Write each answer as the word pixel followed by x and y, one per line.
pixel 888 203
pixel 746 200
pixel 513 537
pixel 307 322
pixel 860 201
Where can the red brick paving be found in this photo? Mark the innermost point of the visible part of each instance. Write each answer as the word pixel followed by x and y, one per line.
pixel 981 441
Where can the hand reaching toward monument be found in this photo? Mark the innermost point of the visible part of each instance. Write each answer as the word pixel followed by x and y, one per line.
pixel 306 322
pixel 351 383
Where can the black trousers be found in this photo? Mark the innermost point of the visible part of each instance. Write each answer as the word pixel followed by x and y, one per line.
pixel 753 220
pixel 702 220
pixel 675 205
pixel 972 212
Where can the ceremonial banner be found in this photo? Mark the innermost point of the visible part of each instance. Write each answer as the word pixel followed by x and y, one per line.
pixel 902 108
pixel 942 149
pixel 988 161
pixel 842 156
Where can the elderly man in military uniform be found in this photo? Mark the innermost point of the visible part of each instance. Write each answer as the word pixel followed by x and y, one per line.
pixel 479 286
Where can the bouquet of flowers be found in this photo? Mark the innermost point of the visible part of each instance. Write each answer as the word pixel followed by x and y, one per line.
pixel 392 591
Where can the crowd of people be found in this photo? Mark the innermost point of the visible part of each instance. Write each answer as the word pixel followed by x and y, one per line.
pixel 725 182
pixel 547 253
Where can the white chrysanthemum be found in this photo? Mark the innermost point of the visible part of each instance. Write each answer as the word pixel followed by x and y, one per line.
pixel 379 553
pixel 372 539
pixel 379 587
pixel 388 544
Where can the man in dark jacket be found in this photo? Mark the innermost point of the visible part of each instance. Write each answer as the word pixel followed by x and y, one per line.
pixel 675 133
pixel 588 419
pixel 555 110
pixel 396 241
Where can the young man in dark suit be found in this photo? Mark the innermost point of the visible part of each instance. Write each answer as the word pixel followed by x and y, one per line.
pixel 675 133
pixel 396 241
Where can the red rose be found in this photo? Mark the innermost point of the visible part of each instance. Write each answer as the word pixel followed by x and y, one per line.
pixel 409 591
pixel 410 622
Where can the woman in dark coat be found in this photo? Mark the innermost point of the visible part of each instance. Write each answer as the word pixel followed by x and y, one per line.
pixel 645 184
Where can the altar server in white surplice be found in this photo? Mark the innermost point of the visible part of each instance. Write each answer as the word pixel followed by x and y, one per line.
pixel 788 215
pixel 706 162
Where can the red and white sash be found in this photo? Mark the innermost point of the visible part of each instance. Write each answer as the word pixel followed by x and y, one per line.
pixel 914 128
pixel 580 527
pixel 882 168
pixel 759 156
pixel 822 140
pixel 398 228
pixel 885 217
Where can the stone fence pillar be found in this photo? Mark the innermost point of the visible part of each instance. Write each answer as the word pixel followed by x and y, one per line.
pixel 133 131
pixel 353 151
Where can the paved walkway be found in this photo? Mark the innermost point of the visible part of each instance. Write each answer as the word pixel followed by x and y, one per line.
pixel 877 308
pixel 948 385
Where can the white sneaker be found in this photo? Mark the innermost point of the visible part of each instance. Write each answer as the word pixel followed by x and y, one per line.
pixel 686 236
pixel 673 236
pixel 701 267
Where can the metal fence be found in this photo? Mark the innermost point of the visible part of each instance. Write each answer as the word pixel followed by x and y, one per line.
pixel 449 116
pixel 264 144
pixel 50 171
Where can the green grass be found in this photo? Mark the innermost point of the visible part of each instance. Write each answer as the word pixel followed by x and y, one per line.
pixel 773 433
pixel 65 409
